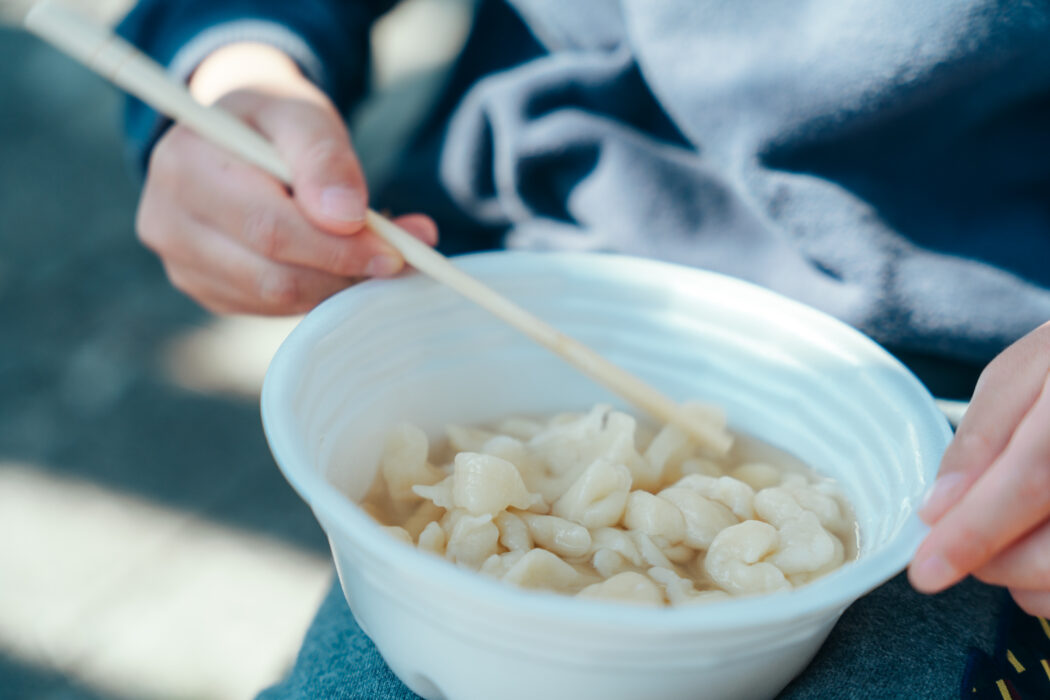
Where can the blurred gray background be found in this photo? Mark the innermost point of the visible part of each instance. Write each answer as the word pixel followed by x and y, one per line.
pixel 150 547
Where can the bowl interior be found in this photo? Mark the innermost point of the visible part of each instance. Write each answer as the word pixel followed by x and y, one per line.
pixel 411 350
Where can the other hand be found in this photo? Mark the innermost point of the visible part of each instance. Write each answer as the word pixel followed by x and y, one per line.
pixel 990 507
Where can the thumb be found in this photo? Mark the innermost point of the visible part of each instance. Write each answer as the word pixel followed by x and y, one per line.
pixel 328 183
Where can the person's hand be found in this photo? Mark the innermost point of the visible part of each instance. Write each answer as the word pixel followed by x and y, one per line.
pixel 231 236
pixel 990 507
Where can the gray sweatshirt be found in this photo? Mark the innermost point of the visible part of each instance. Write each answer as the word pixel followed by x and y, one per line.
pixel 886 161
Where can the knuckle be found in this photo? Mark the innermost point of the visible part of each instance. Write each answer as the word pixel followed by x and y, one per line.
pixel 969 549
pixel 262 231
pixel 150 228
pixel 972 447
pixel 241 101
pixel 992 575
pixel 347 259
pixel 170 169
pixel 144 222
pixel 166 158
pixel 280 289
pixel 162 169
pixel 180 281
pixel 323 153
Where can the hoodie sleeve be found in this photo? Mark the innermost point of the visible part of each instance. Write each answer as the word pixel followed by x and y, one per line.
pixel 327 38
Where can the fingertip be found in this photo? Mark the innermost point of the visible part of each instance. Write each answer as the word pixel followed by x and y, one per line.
pixel 388 263
pixel 946 492
pixel 1035 603
pixel 911 578
pixel 420 226
pixel 384 265
pixel 931 573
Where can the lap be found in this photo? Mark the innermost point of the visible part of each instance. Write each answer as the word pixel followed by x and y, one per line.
pixel 893 642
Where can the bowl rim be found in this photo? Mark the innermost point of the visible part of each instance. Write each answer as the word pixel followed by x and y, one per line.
pixel 828 595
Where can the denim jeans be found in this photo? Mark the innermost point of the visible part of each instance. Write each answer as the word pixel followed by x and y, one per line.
pixel 892 643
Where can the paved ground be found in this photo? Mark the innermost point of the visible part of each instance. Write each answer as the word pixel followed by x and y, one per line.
pixel 109 469
pixel 151 549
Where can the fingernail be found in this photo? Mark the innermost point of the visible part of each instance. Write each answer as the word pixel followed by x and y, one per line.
pixel 932 573
pixel 944 493
pixel 342 204
pixel 383 265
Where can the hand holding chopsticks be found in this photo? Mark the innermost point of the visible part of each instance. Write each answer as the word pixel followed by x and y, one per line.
pixel 102 51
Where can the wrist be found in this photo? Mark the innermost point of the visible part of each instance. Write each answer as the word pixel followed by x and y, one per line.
pixel 247 65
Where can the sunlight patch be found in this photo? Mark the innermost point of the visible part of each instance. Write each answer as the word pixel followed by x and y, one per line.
pixel 131 597
pixel 228 357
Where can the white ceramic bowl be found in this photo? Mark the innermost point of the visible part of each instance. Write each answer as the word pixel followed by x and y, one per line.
pixel 408 349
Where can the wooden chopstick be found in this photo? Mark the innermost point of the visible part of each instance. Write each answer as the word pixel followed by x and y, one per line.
pixel 98 48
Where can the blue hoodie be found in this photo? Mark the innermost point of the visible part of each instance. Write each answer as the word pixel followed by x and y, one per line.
pixel 887 161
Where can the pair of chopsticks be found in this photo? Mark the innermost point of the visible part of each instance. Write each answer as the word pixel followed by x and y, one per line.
pixel 98 48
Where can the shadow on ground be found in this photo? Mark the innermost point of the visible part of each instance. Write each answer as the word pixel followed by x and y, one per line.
pixel 84 311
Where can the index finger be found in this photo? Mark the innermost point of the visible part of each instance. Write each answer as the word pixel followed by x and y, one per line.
pixel 1007 501
pixel 251 207
pixel 1006 391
